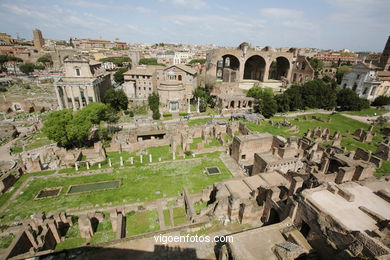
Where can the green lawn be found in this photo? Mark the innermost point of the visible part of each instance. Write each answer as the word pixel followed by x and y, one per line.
pixel 16 149
pixel 167 218
pixel 141 222
pixel 367 112
pixel 200 205
pixel 4 198
pixel 101 237
pixel 144 183
pixel 179 216
pixel 70 243
pixel 195 141
pixel 105 225
pixel 5 241
pixel 384 170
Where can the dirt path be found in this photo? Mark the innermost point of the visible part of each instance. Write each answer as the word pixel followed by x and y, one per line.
pixel 365 119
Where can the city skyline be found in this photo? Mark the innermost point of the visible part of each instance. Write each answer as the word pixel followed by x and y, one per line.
pixel 328 24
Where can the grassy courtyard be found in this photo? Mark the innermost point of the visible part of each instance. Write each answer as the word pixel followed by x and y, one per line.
pixel 345 125
pixel 141 222
pixel 139 184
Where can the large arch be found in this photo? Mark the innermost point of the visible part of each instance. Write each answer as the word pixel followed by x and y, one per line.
pixel 228 68
pixel 279 68
pixel 255 68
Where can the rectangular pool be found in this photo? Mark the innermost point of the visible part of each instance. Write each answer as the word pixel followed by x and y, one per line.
pixel 103 185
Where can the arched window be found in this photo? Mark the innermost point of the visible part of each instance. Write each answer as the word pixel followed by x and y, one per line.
pixel 179 77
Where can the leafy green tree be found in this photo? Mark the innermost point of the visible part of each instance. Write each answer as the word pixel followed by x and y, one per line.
pixel 39 67
pixel 381 101
pixel 204 97
pixel 269 105
pixel 200 61
pixel 117 60
pixel 78 130
pixel 95 113
pixel 27 68
pixel 44 59
pixel 117 99
pixel 118 75
pixel 54 126
pixel 347 99
pixel 283 102
pixel 295 98
pixel 318 94
pixel 154 104
pixel 154 101
pixel 149 61
pixel 317 65
pixel 73 130
pixel 265 102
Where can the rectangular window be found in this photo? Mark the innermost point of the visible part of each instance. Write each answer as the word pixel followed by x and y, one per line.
pixel 77 72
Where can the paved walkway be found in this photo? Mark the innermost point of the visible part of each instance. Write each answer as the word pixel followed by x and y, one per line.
pixel 232 165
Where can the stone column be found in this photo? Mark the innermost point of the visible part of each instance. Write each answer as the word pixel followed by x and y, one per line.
pixel 65 97
pixel 93 93
pixel 86 94
pixel 197 106
pixel 188 106
pixel 241 70
pixel 266 71
pixel 59 99
pixel 80 98
pixel 73 100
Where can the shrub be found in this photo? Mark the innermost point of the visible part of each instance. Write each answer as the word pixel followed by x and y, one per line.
pixel 156 115
pixel 167 115
pixel 183 114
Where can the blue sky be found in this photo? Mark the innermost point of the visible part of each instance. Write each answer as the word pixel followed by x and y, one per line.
pixel 328 24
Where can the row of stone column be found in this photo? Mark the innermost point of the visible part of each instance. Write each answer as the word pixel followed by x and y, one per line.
pixel 63 100
pixel 141 159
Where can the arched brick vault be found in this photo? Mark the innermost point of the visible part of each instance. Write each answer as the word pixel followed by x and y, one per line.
pixel 219 56
pixel 255 67
pixel 279 68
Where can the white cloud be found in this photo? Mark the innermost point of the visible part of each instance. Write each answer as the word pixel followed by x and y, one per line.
pixel 281 13
pixel 47 19
pixel 288 18
pixel 143 10
pixel 190 4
